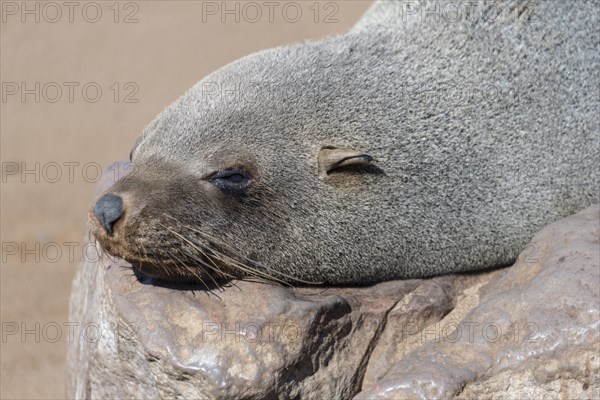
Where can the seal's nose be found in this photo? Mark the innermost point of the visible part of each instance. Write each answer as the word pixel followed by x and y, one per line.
pixel 108 209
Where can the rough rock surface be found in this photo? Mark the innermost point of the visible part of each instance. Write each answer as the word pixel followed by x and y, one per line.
pixel 526 331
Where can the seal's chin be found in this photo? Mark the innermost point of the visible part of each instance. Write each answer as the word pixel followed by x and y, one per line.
pixel 165 271
pixel 172 272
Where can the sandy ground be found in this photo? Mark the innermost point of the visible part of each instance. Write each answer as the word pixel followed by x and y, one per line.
pixel 152 61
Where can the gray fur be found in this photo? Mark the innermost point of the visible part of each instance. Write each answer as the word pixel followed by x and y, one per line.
pixel 456 186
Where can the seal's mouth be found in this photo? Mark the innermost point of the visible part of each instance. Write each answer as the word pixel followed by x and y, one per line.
pixel 176 259
pixel 169 251
pixel 166 266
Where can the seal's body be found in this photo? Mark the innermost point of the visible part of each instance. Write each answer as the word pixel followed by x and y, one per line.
pixel 409 147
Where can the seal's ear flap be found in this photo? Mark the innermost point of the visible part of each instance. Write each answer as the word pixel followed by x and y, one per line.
pixel 333 158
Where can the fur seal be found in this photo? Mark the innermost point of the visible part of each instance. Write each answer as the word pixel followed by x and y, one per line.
pixel 406 148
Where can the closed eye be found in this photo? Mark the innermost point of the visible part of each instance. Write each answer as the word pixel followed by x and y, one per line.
pixel 232 181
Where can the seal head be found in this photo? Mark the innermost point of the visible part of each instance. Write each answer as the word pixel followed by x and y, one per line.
pixel 330 162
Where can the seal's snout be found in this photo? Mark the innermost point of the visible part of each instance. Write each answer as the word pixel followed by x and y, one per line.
pixel 108 209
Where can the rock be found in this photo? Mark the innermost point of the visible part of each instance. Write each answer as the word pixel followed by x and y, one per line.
pixel 530 330
pixel 533 334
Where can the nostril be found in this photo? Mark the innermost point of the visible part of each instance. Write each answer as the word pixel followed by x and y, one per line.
pixel 108 209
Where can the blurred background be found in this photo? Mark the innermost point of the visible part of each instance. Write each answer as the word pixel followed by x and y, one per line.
pixel 80 80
